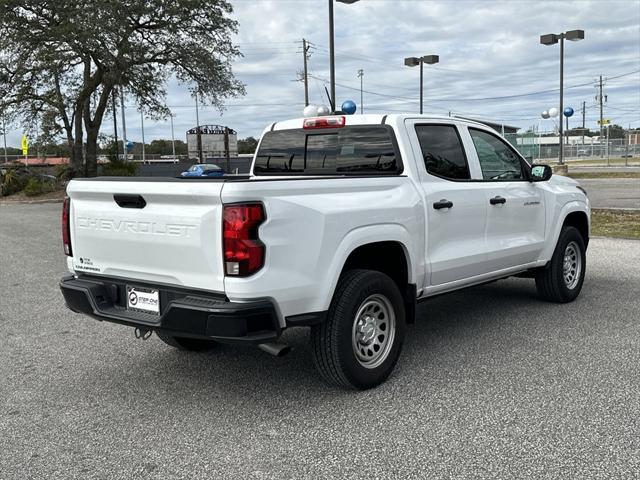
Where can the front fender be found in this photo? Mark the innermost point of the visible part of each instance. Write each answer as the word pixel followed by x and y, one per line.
pixel 555 228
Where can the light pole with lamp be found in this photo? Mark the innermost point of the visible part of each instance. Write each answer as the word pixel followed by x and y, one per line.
pixel 332 61
pixel 552 39
pixel 414 62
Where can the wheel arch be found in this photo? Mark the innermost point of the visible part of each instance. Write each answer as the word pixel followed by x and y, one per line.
pixel 579 220
pixel 388 250
pixel 576 214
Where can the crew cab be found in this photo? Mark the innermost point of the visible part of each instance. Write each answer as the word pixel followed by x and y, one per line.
pixel 344 223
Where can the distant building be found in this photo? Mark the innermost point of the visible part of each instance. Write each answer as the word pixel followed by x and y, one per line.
pixel 570 140
pixel 212 139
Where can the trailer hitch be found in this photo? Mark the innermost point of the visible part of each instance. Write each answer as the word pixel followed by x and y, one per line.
pixel 143 333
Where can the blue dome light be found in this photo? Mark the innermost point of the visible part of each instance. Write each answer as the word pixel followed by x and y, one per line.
pixel 348 107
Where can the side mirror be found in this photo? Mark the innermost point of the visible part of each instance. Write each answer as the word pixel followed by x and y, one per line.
pixel 541 173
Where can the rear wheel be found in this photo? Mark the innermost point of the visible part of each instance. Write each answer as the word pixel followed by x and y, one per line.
pixel 561 279
pixel 183 343
pixel 359 343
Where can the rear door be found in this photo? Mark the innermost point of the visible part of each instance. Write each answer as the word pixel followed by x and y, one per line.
pixel 515 206
pixel 161 232
pixel 456 209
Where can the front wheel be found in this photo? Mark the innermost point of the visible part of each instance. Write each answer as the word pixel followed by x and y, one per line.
pixel 561 279
pixel 359 343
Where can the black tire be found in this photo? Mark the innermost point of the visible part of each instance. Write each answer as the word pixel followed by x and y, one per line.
pixel 550 280
pixel 333 341
pixel 183 343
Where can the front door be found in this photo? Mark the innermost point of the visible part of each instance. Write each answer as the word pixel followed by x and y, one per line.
pixel 515 207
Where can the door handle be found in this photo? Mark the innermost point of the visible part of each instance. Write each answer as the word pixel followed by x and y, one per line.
pixel 497 200
pixel 442 204
pixel 129 201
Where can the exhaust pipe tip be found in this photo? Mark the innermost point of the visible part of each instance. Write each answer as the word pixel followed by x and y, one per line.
pixel 275 349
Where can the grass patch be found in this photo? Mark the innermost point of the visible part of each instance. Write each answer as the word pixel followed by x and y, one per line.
pixel 616 223
pixel 603 161
pixel 604 174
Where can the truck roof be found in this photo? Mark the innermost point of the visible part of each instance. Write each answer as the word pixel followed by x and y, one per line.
pixel 372 119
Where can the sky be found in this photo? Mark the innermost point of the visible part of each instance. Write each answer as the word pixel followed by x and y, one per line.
pixel 492 65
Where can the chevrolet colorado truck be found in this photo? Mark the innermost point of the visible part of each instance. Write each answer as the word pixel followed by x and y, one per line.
pixel 344 223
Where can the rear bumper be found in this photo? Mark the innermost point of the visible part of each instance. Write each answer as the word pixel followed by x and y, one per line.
pixel 183 313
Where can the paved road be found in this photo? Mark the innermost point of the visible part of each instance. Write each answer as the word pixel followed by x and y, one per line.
pixel 612 192
pixel 492 384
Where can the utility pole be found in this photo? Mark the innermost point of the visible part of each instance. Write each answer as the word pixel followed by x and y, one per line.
pixel 361 75
pixel 173 141
pixel 601 99
pixel 305 50
pixel 583 119
pixel 142 123
pixel 115 119
pixel 198 137
pixel 124 125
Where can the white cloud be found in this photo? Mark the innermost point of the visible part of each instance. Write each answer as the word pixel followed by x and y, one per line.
pixel 487 49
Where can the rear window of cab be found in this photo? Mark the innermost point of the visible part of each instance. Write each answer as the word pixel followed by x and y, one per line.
pixel 355 150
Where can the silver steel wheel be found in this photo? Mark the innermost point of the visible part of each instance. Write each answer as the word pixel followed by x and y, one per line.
pixel 374 329
pixel 572 265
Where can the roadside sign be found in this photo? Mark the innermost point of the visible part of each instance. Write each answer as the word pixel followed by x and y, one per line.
pixel 604 122
pixel 25 145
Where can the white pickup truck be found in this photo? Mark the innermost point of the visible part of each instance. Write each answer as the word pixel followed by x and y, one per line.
pixel 343 224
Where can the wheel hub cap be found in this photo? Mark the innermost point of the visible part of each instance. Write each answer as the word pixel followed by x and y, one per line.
pixel 373 331
pixel 572 265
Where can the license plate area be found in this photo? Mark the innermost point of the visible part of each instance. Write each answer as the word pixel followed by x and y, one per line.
pixel 142 299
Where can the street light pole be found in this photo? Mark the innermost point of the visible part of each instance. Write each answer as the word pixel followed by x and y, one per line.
pixel 198 137
pixel 332 62
pixel 414 62
pixel 552 39
pixel 561 132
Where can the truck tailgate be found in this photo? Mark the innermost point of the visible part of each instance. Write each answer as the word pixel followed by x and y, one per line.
pixel 166 231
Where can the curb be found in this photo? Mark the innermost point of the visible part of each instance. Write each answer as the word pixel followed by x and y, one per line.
pixel 29 202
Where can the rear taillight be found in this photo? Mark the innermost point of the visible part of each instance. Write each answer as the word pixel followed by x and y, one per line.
pixel 243 250
pixel 66 227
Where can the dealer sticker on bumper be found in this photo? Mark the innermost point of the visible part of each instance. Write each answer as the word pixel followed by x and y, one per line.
pixel 144 299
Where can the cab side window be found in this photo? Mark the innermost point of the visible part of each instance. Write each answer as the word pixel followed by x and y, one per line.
pixel 498 161
pixel 442 151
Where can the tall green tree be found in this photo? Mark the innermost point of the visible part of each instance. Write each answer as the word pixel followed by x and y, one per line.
pixel 247 145
pixel 63 59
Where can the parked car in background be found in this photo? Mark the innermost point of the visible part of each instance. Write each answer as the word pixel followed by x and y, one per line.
pixel 203 170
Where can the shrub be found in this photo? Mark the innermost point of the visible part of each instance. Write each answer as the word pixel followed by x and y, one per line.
pixel 11 182
pixel 34 187
pixel 64 173
pixel 119 168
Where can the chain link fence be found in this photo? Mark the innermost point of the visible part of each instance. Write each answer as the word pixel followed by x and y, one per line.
pixel 533 147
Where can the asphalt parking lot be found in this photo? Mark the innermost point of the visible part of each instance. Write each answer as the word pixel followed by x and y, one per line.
pixel 613 192
pixel 493 383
